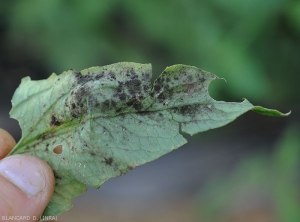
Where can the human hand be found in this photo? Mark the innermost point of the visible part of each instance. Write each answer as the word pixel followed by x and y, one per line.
pixel 26 183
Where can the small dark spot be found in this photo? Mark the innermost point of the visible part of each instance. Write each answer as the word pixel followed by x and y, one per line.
pixel 130 103
pixel 81 80
pixel 97 105
pixel 55 121
pixel 47 147
pixel 73 106
pixel 113 104
pixel 138 105
pixel 147 76
pixel 157 88
pixel 188 110
pixel 108 161
pixel 166 87
pixel 122 96
pixel 162 97
pixel 112 75
pixel 106 103
pixel 119 89
pixel 93 153
pixel 119 110
pixel 74 115
pixel 168 79
pixel 99 76
pixel 140 96
pixel 190 78
pixel 57 177
pixel 58 79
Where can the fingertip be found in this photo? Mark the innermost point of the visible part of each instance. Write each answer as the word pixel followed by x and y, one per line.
pixel 31 184
pixel 7 142
pixel 49 176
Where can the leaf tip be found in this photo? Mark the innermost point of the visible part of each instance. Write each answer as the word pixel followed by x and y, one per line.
pixel 25 79
pixel 222 79
pixel 53 75
pixel 270 112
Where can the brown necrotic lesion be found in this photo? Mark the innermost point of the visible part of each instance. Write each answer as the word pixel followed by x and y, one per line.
pixel 58 149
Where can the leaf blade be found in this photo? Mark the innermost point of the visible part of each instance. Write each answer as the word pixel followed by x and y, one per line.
pixel 109 120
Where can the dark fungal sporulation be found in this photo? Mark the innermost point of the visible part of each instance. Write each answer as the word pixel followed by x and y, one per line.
pixel 113 104
pixel 99 76
pixel 125 169
pixel 47 147
pixel 108 161
pixel 106 104
pixel 55 121
pixel 157 88
pixel 122 96
pixel 133 86
pixel 82 79
pixel 188 110
pixel 190 78
pixel 114 91
pixel 147 76
pixel 146 87
pixel 112 75
pixel 136 104
pixel 57 177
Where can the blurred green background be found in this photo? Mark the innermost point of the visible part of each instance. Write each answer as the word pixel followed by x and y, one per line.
pixel 254 45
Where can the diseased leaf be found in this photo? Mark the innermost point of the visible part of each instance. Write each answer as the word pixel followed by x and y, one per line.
pixel 100 123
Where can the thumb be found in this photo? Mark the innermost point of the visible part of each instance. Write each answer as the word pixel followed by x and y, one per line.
pixel 26 186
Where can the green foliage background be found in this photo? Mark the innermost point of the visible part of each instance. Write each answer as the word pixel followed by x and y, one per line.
pixel 253 44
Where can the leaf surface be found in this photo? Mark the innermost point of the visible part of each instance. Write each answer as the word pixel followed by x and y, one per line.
pixel 102 122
